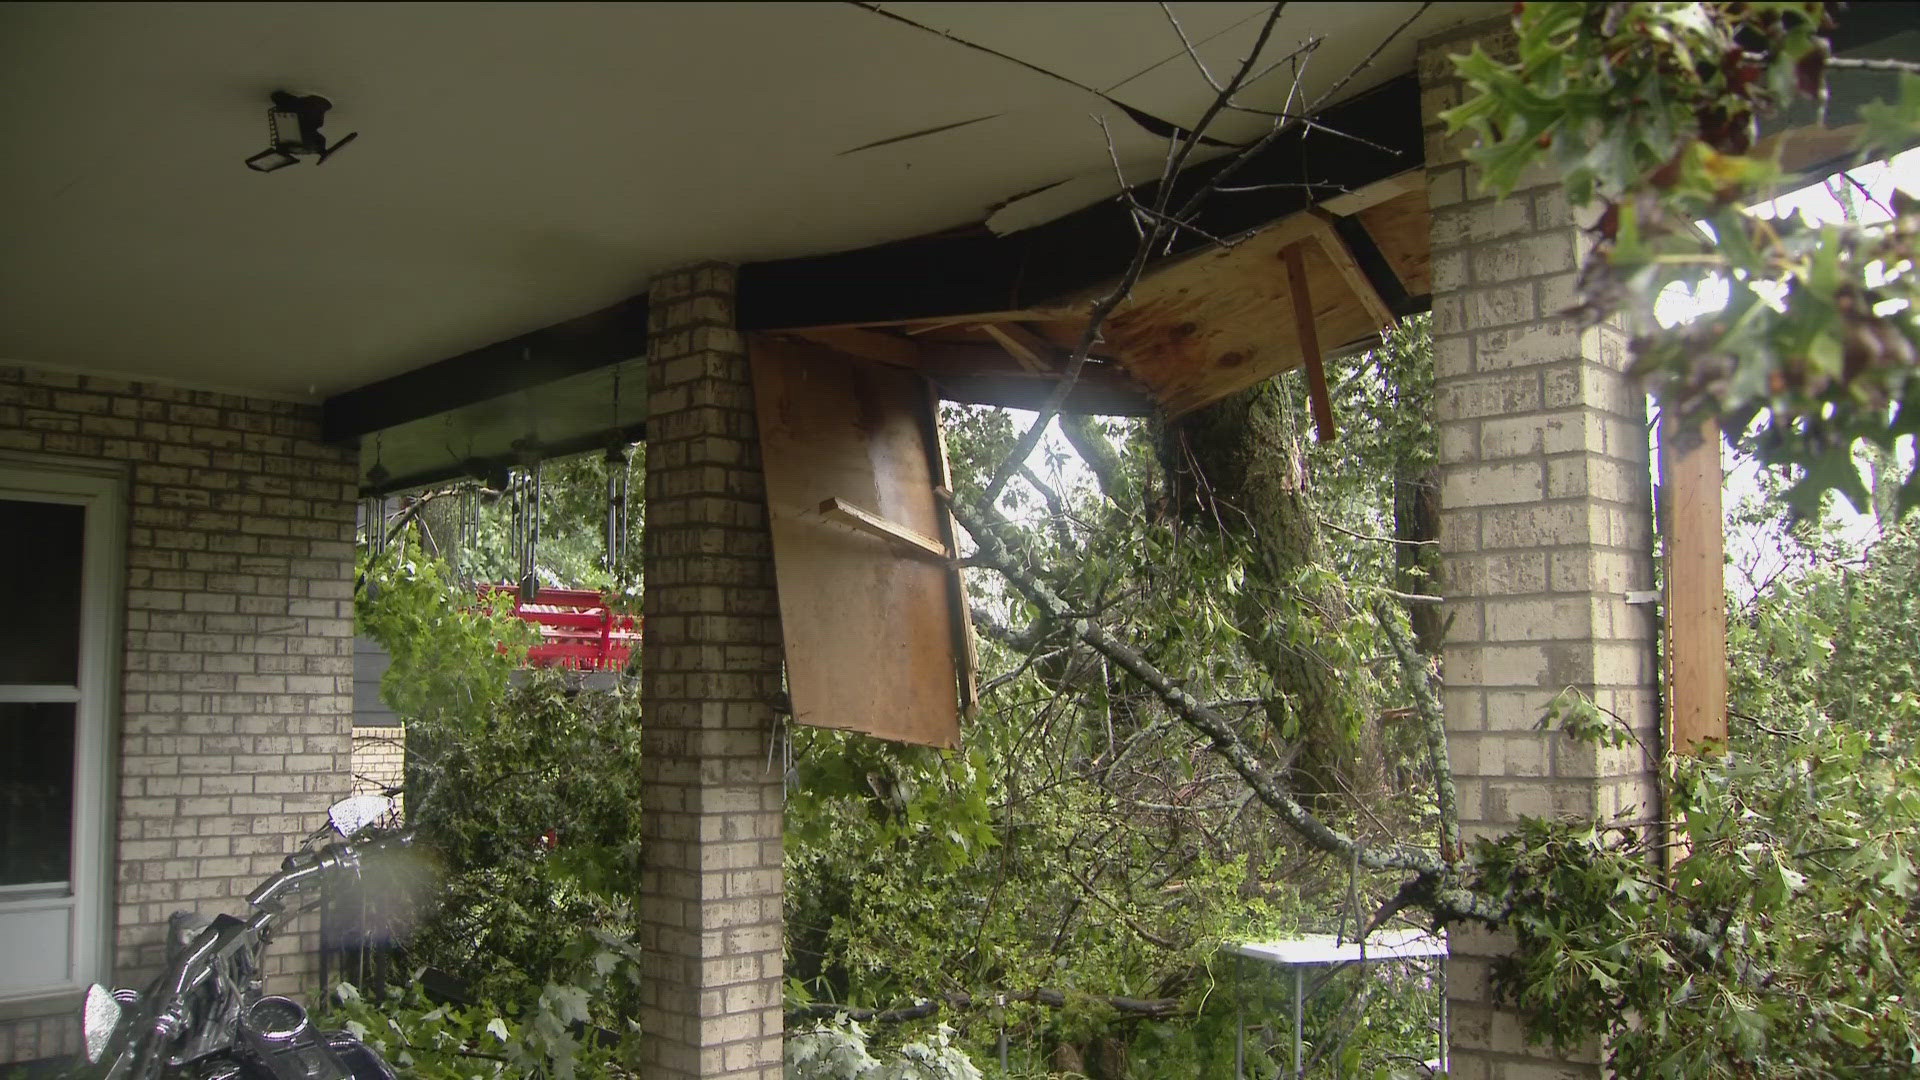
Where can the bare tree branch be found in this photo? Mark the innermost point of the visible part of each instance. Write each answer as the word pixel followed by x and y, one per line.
pixel 1219 730
pixel 1324 523
pixel 1367 62
pixel 1433 723
pixel 1156 235
pixel 1192 53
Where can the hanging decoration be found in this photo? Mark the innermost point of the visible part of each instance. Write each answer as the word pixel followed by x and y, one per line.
pixel 373 505
pixel 619 475
pixel 526 517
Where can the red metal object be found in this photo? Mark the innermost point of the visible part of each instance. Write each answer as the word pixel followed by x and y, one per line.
pixel 578 630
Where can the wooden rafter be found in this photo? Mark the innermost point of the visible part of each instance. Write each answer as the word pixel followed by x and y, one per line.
pixel 1317 394
pixel 1341 256
pixel 1033 352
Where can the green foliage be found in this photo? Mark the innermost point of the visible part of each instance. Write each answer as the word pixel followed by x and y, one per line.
pixel 424 1040
pixel 1651 108
pixel 1783 939
pixel 1083 842
pixel 451 652
pixel 528 797
pixel 536 809
pixel 839 1051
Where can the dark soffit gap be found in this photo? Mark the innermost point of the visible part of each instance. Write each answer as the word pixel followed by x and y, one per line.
pixel 954 273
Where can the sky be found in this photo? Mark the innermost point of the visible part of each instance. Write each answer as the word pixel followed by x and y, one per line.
pixel 1757 554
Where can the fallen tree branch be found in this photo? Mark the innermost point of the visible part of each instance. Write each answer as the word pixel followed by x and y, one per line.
pixel 1132 924
pixel 1163 227
pixel 1219 730
pixel 1414 672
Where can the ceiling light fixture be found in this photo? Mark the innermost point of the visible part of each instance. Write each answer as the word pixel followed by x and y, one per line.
pixel 293 122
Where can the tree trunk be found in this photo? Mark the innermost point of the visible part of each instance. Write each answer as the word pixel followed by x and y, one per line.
pixel 1416 524
pixel 1238 466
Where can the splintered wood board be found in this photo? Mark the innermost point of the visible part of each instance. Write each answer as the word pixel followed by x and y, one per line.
pixel 869 628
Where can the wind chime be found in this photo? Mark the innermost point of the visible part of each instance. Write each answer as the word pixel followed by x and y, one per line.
pixel 466 528
pixel 619 482
pixel 373 505
pixel 525 493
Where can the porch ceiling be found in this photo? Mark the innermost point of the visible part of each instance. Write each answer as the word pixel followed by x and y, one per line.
pixel 522 165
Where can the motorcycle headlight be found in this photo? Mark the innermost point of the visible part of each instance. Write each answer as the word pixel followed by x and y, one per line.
pixel 101 1017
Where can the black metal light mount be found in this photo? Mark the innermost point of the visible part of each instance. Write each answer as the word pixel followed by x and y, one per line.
pixel 293 123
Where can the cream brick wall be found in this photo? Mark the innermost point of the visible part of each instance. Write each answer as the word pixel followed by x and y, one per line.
pixel 711 885
pixel 379 760
pixel 235 717
pixel 1546 523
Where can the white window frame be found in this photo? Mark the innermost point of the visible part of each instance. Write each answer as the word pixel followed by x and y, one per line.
pixel 103 492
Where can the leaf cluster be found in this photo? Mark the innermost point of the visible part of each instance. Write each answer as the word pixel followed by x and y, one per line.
pixel 1651 112
pixel 1768 925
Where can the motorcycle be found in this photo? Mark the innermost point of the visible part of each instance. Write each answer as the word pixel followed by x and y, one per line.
pixel 207 1017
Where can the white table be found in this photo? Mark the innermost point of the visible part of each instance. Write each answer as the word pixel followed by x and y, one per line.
pixel 1328 950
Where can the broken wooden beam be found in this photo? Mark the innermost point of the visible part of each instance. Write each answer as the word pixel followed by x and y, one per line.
pixel 1032 351
pixel 1334 246
pixel 1318 395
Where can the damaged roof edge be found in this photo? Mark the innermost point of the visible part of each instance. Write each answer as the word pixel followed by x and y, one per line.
pixel 954 273
pixel 975 271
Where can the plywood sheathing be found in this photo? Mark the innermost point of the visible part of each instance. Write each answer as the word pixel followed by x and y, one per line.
pixel 1694 540
pixel 1195 329
pixel 1219 322
pixel 869 628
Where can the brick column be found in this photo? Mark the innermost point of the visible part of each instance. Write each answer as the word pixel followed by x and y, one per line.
pixel 711 885
pixel 1545 524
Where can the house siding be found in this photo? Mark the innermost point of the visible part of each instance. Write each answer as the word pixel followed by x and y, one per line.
pixel 235 726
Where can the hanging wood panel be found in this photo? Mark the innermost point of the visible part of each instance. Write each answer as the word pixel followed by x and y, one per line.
pixel 873 619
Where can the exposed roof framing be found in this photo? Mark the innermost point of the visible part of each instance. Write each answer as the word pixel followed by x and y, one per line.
pixel 970 276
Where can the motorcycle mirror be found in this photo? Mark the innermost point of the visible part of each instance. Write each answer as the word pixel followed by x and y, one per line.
pixel 99 1019
pixel 349 816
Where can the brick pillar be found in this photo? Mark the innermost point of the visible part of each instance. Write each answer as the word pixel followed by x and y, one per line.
pixel 710 909
pixel 1545 524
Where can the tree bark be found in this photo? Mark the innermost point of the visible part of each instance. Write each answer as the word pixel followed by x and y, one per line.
pixel 1238 467
pixel 1416 524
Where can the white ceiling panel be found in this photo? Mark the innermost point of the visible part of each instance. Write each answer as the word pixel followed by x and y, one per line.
pixel 521 164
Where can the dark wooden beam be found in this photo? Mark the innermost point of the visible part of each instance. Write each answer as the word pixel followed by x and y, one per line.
pixel 1373 263
pixel 604 337
pixel 971 270
pixel 962 272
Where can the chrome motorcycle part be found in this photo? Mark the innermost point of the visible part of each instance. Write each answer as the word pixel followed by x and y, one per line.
pixel 275 1019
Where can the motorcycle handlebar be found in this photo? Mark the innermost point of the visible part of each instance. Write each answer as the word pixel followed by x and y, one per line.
pixel 300 867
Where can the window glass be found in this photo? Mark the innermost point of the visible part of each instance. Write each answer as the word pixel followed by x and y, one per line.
pixel 36 792
pixel 40 547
